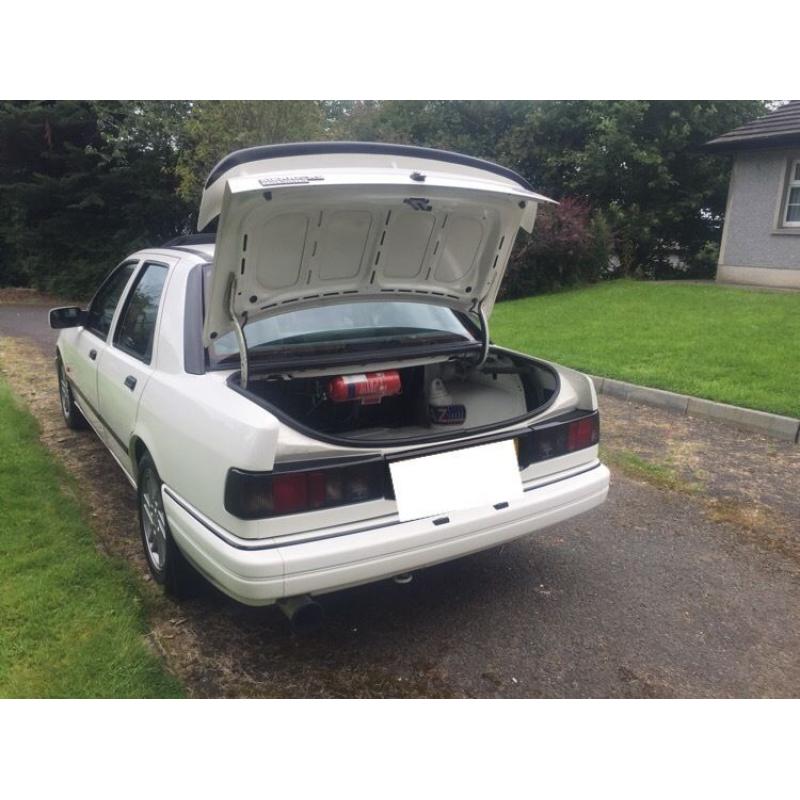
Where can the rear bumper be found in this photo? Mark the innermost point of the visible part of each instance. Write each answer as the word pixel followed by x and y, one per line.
pixel 388 547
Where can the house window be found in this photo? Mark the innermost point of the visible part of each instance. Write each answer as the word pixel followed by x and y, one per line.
pixel 791 216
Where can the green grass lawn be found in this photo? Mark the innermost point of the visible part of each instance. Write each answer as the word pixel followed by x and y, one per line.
pixel 71 624
pixel 721 343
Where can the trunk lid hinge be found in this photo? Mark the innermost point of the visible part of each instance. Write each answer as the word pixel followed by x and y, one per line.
pixel 237 326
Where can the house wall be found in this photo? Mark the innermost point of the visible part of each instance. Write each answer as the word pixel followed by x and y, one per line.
pixel 754 248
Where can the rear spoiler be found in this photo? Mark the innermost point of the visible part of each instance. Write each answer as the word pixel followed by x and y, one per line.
pixel 264 152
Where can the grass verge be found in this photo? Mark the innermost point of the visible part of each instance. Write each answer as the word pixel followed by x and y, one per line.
pixel 717 342
pixel 660 475
pixel 71 622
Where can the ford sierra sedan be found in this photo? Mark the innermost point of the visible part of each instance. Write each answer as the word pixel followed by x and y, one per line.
pixel 307 398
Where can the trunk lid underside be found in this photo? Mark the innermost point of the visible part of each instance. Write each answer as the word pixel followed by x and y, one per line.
pixel 291 240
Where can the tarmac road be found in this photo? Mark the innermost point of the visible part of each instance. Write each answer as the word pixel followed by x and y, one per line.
pixel 685 584
pixel 28 321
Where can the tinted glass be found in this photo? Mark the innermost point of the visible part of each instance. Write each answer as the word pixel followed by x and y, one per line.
pixel 101 311
pixel 385 324
pixel 137 323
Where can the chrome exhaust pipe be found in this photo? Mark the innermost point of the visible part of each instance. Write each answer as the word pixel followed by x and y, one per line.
pixel 303 612
pixel 404 578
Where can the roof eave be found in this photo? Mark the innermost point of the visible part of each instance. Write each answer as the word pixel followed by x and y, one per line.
pixel 724 145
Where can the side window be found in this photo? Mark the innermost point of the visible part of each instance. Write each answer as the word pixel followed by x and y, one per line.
pixel 137 323
pixel 101 311
pixel 791 214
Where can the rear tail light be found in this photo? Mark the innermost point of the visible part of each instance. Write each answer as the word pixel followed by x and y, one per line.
pixel 582 433
pixel 289 493
pixel 254 495
pixel 558 438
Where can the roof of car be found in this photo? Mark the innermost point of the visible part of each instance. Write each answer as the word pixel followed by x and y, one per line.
pixel 191 240
pixel 199 244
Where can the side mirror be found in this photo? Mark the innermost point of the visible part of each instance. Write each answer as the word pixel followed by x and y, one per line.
pixel 67 317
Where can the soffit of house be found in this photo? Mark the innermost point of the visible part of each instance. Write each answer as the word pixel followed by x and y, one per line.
pixel 779 128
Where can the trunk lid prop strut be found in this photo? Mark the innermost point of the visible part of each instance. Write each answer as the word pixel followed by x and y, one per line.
pixel 243 363
pixel 484 336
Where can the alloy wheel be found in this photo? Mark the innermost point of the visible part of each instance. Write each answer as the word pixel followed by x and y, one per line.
pixel 154 521
pixel 64 393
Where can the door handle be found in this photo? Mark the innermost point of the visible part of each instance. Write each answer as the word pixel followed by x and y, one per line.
pixel 130 382
pixel 93 354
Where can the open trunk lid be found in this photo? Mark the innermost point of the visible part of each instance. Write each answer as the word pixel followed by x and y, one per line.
pixel 302 225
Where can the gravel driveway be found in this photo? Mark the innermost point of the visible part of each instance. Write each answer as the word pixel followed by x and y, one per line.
pixel 685 584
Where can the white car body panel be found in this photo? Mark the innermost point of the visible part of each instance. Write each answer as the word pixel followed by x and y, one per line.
pixel 196 428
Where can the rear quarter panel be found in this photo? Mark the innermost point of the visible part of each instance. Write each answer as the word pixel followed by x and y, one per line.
pixel 196 429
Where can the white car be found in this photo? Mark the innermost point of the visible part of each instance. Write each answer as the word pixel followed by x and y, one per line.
pixel 308 399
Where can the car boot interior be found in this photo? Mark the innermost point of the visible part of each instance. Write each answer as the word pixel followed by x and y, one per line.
pixel 410 402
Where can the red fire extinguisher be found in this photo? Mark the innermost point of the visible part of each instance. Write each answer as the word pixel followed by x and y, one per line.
pixel 368 387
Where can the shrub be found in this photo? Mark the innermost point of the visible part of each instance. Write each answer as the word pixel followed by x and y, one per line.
pixel 569 245
pixel 703 263
pixel 601 248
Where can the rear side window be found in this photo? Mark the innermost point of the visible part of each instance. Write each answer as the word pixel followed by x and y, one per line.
pixel 101 311
pixel 137 323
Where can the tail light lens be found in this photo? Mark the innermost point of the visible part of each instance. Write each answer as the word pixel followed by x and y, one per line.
pixel 255 495
pixel 289 493
pixel 560 437
pixel 583 433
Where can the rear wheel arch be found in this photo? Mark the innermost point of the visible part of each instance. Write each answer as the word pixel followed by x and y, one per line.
pixel 166 562
pixel 137 450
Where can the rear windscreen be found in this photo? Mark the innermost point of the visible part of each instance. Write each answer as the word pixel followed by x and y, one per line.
pixel 354 326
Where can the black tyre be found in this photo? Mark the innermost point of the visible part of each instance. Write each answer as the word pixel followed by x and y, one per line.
pixel 72 415
pixel 167 564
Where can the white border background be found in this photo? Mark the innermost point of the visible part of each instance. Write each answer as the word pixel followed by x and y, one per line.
pixel 366 49
pixel 393 749
pixel 398 749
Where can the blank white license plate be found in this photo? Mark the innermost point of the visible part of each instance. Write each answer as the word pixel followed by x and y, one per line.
pixel 468 478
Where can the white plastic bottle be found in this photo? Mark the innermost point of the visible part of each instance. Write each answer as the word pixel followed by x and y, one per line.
pixel 442 411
